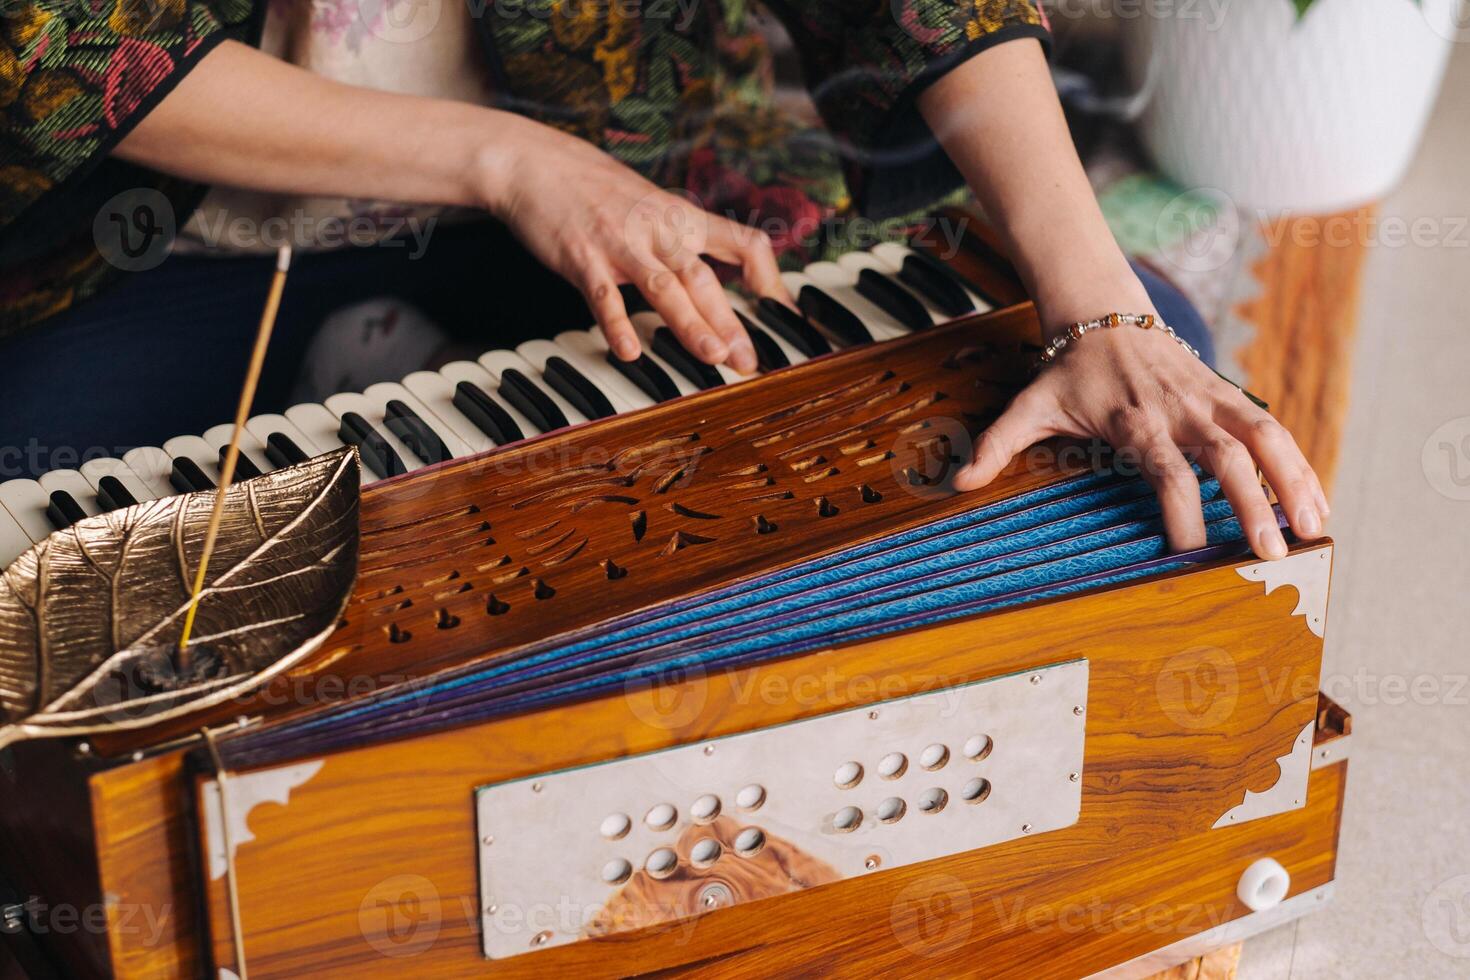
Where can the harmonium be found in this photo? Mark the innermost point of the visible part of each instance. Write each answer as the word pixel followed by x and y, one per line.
pixel 656 670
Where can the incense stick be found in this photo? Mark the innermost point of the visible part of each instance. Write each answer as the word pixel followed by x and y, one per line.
pixel 232 454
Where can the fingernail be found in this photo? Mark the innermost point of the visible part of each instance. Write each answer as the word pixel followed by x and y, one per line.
pixel 1308 522
pixel 742 357
pixel 713 350
pixel 1270 544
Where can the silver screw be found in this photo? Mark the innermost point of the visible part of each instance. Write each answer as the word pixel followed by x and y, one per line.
pixel 537 787
pixel 541 938
pixel 715 895
pixel 1025 828
pixel 1074 776
pixel 872 716
pixel 709 750
pixel 487 840
pixel 492 908
pixel 1036 678
pixel 1077 710
pixel 872 862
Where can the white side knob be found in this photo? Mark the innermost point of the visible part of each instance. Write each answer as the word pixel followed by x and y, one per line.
pixel 1263 885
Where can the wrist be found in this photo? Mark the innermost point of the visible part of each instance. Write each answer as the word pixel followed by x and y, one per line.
pixel 1082 297
pixel 492 162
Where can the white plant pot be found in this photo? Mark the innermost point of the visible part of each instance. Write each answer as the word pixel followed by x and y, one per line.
pixel 1316 115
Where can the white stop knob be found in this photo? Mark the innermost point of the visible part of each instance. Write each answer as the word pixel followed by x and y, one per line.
pixel 1263 885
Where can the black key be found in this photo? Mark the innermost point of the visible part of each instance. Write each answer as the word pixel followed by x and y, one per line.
pixel 573 385
pixel 63 511
pixel 188 477
pixel 703 376
pixel 245 468
pixel 942 269
pixel 415 433
pixel 377 455
pixel 532 402
pixel 831 316
pixel 768 353
pixel 112 495
pixel 486 415
pixel 893 299
pixel 282 451
pixel 792 327
pixel 933 280
pixel 651 379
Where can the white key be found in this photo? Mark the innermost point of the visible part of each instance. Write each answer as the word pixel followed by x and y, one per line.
pixel 316 425
pixel 262 427
pixel 320 427
pixel 855 262
pixel 587 350
pixel 76 486
pixel 457 371
pixel 387 391
pixel 199 451
pixel 219 437
pixel 497 361
pixel 841 285
pixel 893 254
pixel 26 501
pixel 152 466
pixel 538 352
pixel 14 541
pixel 744 307
pixel 95 470
pixel 646 324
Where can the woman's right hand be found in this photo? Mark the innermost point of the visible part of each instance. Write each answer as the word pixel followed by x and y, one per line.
pixel 600 225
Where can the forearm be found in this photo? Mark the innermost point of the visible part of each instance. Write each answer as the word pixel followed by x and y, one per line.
pixel 998 117
pixel 244 119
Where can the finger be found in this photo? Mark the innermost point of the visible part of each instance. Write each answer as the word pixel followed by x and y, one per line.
pixel 750 248
pixel 1171 476
pixel 1224 455
pixel 607 306
pixel 1026 421
pixel 713 305
pixel 1286 469
pixel 666 292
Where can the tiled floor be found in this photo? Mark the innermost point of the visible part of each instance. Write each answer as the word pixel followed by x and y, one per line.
pixel 1398 642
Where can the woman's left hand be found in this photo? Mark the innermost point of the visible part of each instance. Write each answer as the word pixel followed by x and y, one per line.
pixel 1155 402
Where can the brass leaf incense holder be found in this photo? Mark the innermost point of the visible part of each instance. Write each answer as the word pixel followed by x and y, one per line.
pixel 90 618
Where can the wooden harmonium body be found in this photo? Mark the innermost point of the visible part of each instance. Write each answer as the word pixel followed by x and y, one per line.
pixel 736 685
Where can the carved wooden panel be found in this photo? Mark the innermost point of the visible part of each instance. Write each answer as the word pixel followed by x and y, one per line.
pixel 483 555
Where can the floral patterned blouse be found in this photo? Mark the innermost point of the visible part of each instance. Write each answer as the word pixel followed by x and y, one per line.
pixel 680 90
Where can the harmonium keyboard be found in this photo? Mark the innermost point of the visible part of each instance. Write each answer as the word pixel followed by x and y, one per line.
pixel 649 668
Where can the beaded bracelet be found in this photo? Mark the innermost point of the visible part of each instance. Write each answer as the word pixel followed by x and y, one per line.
pixel 1144 321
